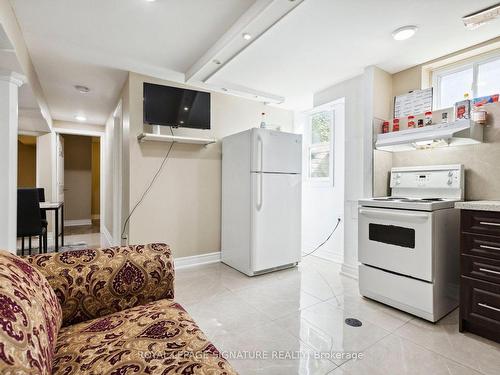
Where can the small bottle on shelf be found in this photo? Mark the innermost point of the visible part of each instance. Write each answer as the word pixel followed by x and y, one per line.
pixel 385 127
pixel 411 122
pixel 263 121
pixel 428 118
pixel 395 125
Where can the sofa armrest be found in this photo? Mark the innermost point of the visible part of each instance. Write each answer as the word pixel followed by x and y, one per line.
pixel 91 283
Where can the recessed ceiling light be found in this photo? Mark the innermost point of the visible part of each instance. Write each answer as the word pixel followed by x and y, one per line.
pixel 216 62
pixel 182 122
pixel 82 89
pixel 186 108
pixel 80 118
pixel 246 36
pixel 404 32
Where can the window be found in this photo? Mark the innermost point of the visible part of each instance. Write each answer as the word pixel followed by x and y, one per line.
pixel 320 136
pixel 477 77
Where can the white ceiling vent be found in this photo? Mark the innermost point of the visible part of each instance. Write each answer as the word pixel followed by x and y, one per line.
pixel 477 19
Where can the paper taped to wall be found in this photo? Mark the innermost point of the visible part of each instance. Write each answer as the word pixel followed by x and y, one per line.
pixel 413 103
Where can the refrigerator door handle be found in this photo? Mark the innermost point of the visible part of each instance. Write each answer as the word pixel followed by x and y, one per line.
pixel 259 192
pixel 260 146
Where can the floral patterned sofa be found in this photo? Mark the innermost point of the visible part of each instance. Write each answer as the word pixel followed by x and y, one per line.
pixel 106 311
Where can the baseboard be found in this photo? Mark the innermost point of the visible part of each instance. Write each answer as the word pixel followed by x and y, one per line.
pixel 196 260
pixel 332 257
pixel 107 235
pixel 349 271
pixel 74 223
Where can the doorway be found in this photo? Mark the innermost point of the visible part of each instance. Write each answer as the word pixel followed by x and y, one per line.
pixel 78 182
pixel 26 161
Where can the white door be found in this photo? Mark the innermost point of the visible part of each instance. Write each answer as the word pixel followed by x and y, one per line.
pixel 60 168
pixel 276 152
pixel 276 220
pixel 396 240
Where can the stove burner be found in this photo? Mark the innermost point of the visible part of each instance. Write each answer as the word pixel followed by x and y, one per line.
pixel 433 199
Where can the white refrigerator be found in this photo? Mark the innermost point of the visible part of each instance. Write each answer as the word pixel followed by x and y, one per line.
pixel 261 200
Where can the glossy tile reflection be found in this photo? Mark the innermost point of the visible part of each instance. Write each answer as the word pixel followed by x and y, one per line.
pixel 301 312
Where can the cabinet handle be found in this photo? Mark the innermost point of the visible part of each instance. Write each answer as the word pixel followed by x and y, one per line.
pixel 489 307
pixel 489 271
pixel 488 223
pixel 489 247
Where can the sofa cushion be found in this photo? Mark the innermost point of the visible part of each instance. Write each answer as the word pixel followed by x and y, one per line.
pixel 95 282
pixel 156 338
pixel 30 318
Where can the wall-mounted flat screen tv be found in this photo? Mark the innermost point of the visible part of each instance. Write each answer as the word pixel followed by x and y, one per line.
pixel 173 106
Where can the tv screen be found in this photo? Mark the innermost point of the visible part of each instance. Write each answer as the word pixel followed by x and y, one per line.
pixel 173 106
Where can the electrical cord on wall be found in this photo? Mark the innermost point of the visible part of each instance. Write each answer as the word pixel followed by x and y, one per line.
pixel 165 158
pixel 325 241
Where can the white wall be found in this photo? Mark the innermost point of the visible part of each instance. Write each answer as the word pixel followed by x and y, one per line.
pixel 45 170
pixel 353 92
pixel 323 203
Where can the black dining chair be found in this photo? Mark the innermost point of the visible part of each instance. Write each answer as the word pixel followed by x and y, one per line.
pixel 41 198
pixel 29 219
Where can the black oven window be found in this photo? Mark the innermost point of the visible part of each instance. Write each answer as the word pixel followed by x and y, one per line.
pixel 392 235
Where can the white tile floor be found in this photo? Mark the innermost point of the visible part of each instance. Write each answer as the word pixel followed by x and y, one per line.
pixel 304 308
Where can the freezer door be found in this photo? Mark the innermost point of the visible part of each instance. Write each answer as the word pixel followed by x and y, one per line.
pixel 276 152
pixel 275 236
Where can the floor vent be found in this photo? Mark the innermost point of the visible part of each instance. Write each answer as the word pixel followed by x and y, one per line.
pixel 353 322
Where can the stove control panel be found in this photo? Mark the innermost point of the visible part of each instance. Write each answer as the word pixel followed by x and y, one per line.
pixel 430 179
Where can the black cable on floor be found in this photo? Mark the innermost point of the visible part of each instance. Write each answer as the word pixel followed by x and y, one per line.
pixel 325 241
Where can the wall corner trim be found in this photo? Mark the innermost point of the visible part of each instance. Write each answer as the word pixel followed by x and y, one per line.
pixel 349 271
pixel 108 236
pixel 196 260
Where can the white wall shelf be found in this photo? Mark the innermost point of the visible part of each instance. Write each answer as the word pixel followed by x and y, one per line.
pixel 145 137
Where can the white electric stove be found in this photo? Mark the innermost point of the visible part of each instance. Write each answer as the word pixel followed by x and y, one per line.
pixel 408 243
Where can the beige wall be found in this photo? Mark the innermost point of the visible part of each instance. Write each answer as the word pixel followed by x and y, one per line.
pixel 183 207
pixel 77 177
pixel 26 162
pixel 96 178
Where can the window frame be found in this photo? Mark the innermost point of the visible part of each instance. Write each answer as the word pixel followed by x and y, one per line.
pixel 473 62
pixel 321 146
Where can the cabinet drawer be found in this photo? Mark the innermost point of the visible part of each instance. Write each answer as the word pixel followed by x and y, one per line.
pixel 480 303
pixel 483 246
pixel 481 268
pixel 481 222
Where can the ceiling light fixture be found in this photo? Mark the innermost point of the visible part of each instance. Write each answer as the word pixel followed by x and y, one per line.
pixel 405 32
pixel 186 108
pixel 80 118
pixel 246 36
pixel 82 89
pixel 478 19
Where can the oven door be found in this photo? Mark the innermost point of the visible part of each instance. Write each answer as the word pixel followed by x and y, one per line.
pixel 396 240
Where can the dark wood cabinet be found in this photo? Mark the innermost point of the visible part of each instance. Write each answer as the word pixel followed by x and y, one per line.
pixel 480 273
